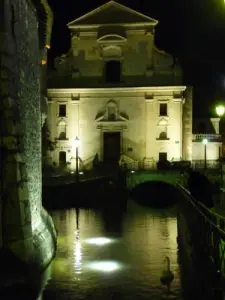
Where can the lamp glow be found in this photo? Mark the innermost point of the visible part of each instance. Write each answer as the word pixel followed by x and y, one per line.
pixel 204 141
pixel 100 241
pixel 220 110
pixel 76 142
pixel 105 266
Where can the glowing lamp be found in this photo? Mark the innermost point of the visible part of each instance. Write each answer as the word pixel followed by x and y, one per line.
pixel 105 266
pixel 44 62
pixel 76 142
pixel 205 141
pixel 220 110
pixel 99 241
pixel 47 46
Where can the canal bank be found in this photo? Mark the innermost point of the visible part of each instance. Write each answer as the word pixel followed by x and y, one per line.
pixel 92 191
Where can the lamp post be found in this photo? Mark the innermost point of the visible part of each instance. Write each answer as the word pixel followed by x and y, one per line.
pixel 220 110
pixel 205 142
pixel 77 144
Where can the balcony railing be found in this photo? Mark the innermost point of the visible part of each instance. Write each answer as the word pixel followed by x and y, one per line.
pixel 209 136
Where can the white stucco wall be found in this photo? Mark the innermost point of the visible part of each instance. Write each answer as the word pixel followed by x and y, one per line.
pixel 140 131
pixel 212 151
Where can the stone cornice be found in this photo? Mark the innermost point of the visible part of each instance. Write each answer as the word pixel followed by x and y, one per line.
pixel 155 89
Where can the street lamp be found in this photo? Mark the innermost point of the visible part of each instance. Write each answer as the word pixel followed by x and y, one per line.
pixel 205 142
pixel 77 144
pixel 220 110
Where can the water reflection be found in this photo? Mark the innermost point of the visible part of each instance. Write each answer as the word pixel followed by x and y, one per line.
pixel 99 259
pixel 106 254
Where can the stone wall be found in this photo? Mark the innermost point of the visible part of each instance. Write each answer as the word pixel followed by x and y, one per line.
pixel 23 224
pixel 187 124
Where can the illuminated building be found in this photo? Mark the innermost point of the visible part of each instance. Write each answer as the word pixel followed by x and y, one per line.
pixel 120 94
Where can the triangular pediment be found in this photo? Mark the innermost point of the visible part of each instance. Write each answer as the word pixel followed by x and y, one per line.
pixel 101 118
pixel 112 13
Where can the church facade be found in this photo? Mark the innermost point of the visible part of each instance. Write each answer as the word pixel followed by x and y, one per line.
pixel 118 93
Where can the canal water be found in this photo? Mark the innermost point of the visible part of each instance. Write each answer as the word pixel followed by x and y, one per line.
pixel 114 255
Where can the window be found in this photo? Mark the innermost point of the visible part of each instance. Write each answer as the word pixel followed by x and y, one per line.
pixel 62 157
pixel 62 110
pixel 61 130
pixel 13 21
pixel 62 135
pixel 112 71
pixel 162 135
pixel 162 156
pixel 163 109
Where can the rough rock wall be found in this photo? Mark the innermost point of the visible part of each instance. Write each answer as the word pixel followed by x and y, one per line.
pixel 187 124
pixel 27 230
pixel 28 70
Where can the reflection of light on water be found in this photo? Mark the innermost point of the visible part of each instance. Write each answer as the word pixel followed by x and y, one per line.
pixel 99 241
pixel 77 253
pixel 104 266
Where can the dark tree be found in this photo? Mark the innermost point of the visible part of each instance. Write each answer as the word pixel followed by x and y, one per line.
pixel 47 143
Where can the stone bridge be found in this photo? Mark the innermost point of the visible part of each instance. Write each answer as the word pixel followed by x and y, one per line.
pixel 136 177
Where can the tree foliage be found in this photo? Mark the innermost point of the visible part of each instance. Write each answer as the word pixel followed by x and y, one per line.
pixel 47 143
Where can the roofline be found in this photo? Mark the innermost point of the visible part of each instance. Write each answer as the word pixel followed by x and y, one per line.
pixel 127 25
pixel 99 8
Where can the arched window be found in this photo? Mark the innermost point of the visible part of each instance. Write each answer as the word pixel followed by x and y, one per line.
pixel 163 135
pixel 62 157
pixel 61 130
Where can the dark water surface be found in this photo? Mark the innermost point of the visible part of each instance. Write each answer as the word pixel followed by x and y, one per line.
pixel 113 255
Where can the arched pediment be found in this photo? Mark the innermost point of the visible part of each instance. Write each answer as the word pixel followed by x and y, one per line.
pixel 162 122
pixel 112 51
pixel 61 122
pixel 111 38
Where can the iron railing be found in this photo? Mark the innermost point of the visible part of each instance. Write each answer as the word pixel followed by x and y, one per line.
pixel 207 238
pixel 211 137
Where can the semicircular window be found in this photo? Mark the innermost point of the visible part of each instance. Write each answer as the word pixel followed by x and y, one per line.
pixel 162 135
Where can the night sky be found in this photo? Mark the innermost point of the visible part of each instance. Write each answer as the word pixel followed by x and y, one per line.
pixel 191 30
